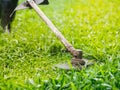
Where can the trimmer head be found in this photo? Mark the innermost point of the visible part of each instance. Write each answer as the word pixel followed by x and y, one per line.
pixel 70 66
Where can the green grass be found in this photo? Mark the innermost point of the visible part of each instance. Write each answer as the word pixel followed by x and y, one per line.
pixel 28 54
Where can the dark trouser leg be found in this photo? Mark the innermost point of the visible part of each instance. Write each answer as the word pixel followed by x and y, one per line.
pixel 6 8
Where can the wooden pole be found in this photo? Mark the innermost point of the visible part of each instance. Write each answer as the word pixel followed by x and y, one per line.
pixel 71 49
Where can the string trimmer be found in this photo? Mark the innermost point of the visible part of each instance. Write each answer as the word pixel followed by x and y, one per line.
pixel 77 60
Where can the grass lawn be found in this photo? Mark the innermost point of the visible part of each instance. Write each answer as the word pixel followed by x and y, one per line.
pixel 28 54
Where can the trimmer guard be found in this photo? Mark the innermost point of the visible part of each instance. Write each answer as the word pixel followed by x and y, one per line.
pixel 25 5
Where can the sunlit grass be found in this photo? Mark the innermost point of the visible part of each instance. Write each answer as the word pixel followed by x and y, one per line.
pixel 28 54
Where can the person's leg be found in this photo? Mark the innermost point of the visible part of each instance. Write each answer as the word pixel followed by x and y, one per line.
pixel 8 7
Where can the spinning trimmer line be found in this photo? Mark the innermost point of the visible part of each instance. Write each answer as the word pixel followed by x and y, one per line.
pixel 77 60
